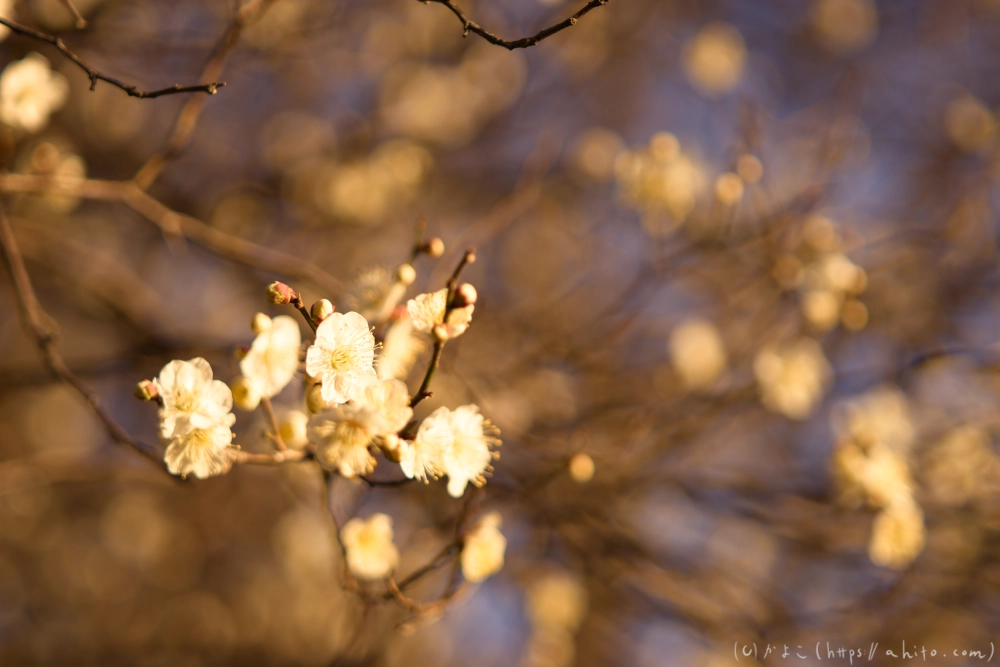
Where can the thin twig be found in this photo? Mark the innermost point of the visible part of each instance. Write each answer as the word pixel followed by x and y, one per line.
pixel 525 42
pixel 173 223
pixel 271 459
pixel 423 392
pixel 273 418
pixel 33 318
pixel 95 76
pixel 80 22
pixel 188 117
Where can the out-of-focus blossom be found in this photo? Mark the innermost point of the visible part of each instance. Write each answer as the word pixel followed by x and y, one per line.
pixel 581 468
pixel 880 415
pixel 342 356
pixel 371 553
pixel 483 551
pixel 428 310
pixel 961 466
pixel 274 356
pixel 792 377
pixel 969 124
pixel 343 433
pixel 697 352
pixel 400 350
pixel 30 92
pixel 729 188
pixel 191 398
pixel 660 179
pixel 845 26
pixel 377 291
pixel 455 443
pixel 714 59
pixel 874 473
pixel 898 535
pixel 593 153
pixel 557 602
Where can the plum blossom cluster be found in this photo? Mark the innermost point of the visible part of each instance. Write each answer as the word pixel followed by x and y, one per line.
pixel 353 407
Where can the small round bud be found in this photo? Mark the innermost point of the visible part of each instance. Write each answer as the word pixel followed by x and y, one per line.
pixel 390 446
pixel 314 399
pixel 280 293
pixel 581 468
pixel 147 391
pixel 293 429
pixel 406 274
pixel 470 256
pixel 321 310
pixel 441 333
pixel 465 295
pixel 260 323
pixel 245 396
pixel 434 247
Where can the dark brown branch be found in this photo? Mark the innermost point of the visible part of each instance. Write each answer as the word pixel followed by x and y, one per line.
pixel 78 19
pixel 188 117
pixel 33 318
pixel 524 42
pixel 96 76
pixel 424 391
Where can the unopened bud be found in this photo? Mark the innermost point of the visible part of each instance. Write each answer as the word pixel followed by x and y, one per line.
pixel 293 429
pixel 434 247
pixel 581 468
pixel 465 295
pixel 147 391
pixel 314 399
pixel 280 293
pixel 470 256
pixel 321 310
pixel 406 274
pixel 260 323
pixel 390 446
pixel 245 396
pixel 441 333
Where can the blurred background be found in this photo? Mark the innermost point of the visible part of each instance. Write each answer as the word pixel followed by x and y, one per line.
pixel 736 322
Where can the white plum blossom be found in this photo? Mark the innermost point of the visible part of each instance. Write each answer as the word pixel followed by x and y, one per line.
pixel 202 452
pixel 482 554
pixel 191 399
pixel 792 377
pixel 455 443
pixel 273 357
pixel 342 356
pixel 30 91
pixel 371 554
pixel 399 350
pixel 427 311
pixel 343 433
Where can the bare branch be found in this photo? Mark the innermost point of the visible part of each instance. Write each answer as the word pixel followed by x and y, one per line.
pixel 187 119
pixel 177 224
pixel 34 318
pixel 524 42
pixel 96 76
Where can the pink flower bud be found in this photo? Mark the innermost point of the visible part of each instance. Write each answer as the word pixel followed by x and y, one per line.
pixel 465 295
pixel 434 247
pixel 147 391
pixel 280 293
pixel 406 274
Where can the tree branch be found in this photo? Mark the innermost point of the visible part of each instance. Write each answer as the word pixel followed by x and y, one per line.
pixel 78 19
pixel 33 318
pixel 524 42
pixel 96 76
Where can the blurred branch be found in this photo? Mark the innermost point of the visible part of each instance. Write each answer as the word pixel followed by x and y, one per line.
pixel 177 224
pixel 95 76
pixel 81 22
pixel 524 42
pixel 188 117
pixel 271 459
pixel 34 318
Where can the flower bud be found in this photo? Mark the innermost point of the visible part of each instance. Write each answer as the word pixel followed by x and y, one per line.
pixel 434 247
pixel 260 323
pixel 441 333
pixel 581 468
pixel 465 295
pixel 321 310
pixel 406 274
pixel 147 391
pixel 280 293
pixel 293 429
pixel 314 399
pixel 390 446
pixel 245 396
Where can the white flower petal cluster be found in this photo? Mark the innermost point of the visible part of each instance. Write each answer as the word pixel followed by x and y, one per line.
pixel 273 357
pixel 342 357
pixel 399 350
pixel 428 310
pixel 30 92
pixel 455 443
pixel 371 553
pixel 343 433
pixel 482 554
pixel 195 418
pixel 792 377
